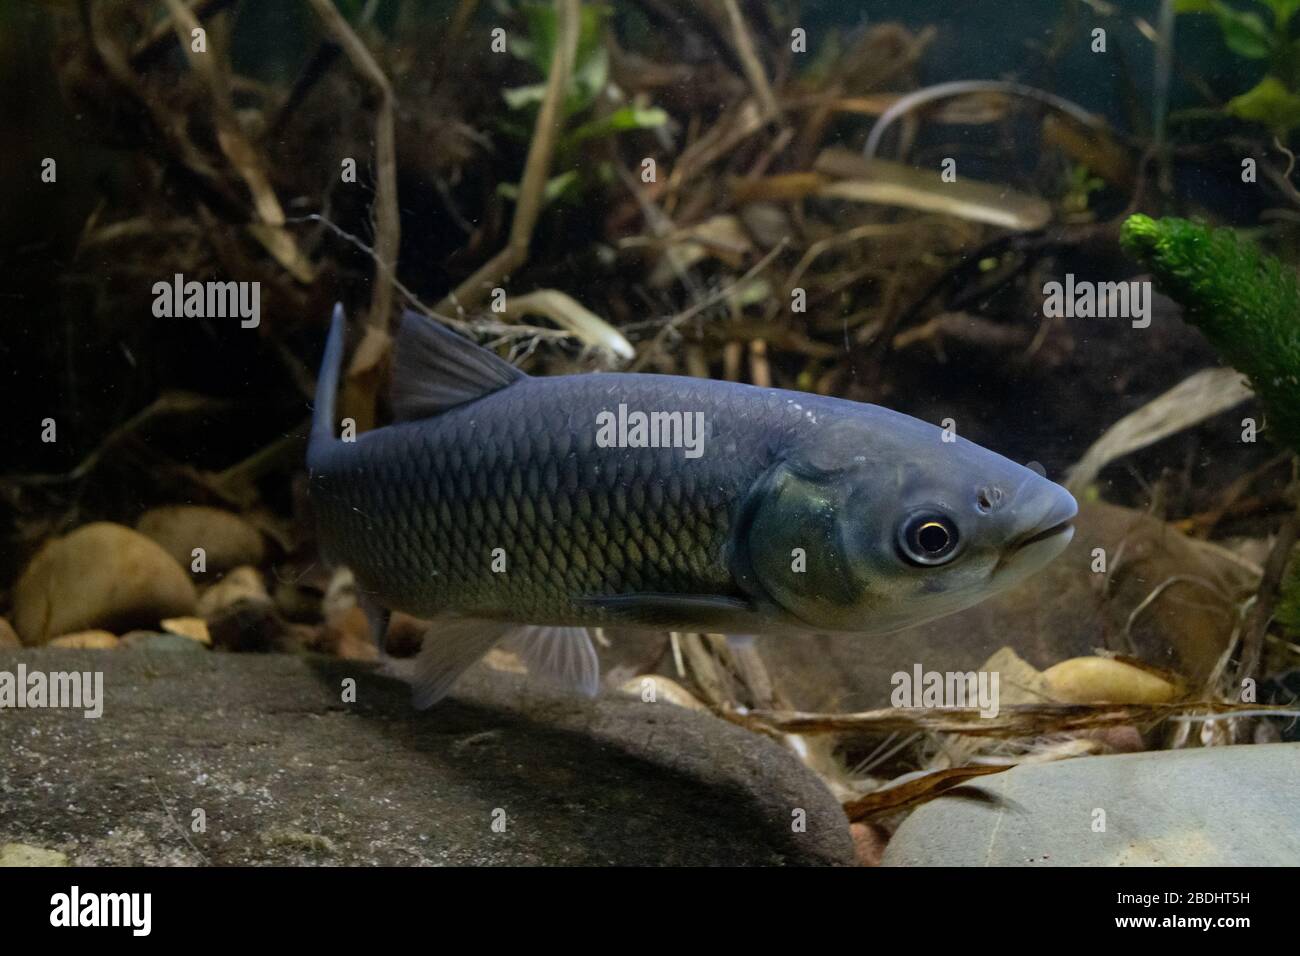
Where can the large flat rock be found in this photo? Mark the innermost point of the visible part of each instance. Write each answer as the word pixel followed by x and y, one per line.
pixel 1218 806
pixel 285 772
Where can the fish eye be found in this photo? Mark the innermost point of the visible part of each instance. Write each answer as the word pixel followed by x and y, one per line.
pixel 928 538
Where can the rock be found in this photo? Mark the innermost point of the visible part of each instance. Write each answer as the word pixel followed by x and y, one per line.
pixel 405 635
pixel 1101 680
pixel 1064 611
pixel 289 773
pixel 20 854
pixel 1215 806
pixel 251 626
pixel 8 636
pixel 869 841
pixel 239 584
pixel 347 635
pixel 227 540
pixel 148 641
pixel 87 640
pixel 100 576
pixel 195 628
pixel 295 601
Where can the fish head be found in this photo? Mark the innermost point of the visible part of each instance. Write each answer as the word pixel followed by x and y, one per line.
pixel 878 526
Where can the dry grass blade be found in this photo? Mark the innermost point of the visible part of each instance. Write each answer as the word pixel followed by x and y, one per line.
pixel 896 184
pixel 564 311
pixel 1205 394
pixel 753 67
pixel 913 792
pixel 230 135
pixel 1021 720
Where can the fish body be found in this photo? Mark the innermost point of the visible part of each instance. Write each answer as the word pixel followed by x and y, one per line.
pixel 544 501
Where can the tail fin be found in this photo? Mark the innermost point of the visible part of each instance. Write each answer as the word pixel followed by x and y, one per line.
pixel 327 384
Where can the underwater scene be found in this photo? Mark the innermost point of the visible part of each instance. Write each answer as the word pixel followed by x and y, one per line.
pixel 649 433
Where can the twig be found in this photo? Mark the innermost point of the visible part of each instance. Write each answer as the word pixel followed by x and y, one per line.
pixel 1020 720
pixel 156 43
pixel 230 135
pixel 960 87
pixel 537 168
pixel 686 315
pixel 750 62
pixel 1261 614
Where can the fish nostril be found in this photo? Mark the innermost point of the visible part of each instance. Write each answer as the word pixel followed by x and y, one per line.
pixel 988 498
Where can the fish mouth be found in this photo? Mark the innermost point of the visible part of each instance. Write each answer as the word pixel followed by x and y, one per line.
pixel 1046 539
pixel 1060 527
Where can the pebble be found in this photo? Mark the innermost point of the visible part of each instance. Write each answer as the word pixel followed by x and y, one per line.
pixel 227 539
pixel 87 640
pixel 100 575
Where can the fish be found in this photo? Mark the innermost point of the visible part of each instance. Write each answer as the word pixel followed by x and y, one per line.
pixel 523 511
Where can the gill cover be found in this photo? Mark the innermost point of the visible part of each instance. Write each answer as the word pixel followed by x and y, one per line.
pixel 790 550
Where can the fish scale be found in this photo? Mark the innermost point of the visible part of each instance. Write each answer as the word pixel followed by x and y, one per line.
pixel 418 507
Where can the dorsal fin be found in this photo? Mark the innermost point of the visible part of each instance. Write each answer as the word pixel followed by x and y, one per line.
pixel 435 369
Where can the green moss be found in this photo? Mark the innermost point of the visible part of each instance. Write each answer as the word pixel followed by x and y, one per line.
pixel 1247 304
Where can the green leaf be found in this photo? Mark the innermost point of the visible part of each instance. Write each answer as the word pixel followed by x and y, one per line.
pixel 1244 33
pixel 1283 10
pixel 591 61
pixel 520 96
pixel 556 187
pixel 621 120
pixel 587 82
pixel 1193 6
pixel 1268 102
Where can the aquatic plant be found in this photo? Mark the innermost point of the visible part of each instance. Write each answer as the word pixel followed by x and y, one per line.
pixel 1273 101
pixel 587 80
pixel 1246 302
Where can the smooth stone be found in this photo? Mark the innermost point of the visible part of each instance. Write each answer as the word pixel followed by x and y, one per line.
pixel 87 640
pixel 1097 680
pixel 238 585
pixel 1211 806
pixel 288 773
pixel 195 628
pixel 102 575
pixel 227 539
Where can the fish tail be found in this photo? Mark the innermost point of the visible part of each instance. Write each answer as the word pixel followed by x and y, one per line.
pixel 327 384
